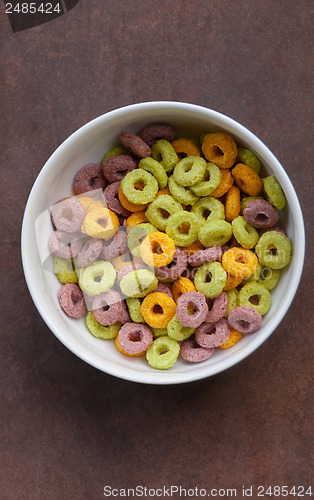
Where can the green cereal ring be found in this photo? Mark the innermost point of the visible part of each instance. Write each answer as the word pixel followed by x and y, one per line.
pixel 117 151
pixel 89 277
pixel 209 209
pixel 233 300
pixel 177 331
pixel 100 331
pixel 215 233
pixel 137 234
pixel 64 269
pixel 274 250
pixel 134 195
pixel 206 187
pixel 134 307
pixel 218 278
pixel 138 283
pixel 247 200
pixel 163 152
pixel 189 170
pixel 269 277
pixel 156 169
pixel 244 233
pixel 163 353
pixel 159 332
pixel 258 291
pixel 160 209
pixel 181 193
pixel 175 223
pixel 274 193
pixel 250 159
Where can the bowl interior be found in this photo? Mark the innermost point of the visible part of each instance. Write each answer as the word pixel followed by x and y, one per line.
pixel 90 144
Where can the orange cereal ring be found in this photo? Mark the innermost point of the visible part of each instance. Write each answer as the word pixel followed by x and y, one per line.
pixel 220 148
pixel 239 262
pixel 180 286
pixel 197 245
pixel 120 261
pixel 163 191
pixel 232 281
pixel 247 179
pixel 164 243
pixel 124 352
pixel 224 185
pixel 136 218
pixel 100 223
pixel 158 309
pixel 234 337
pixel 233 203
pixel 185 146
pixel 128 205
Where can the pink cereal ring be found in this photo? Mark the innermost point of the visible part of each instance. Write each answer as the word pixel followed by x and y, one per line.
pixel 217 308
pixel 135 144
pixel 173 270
pixel 191 351
pixel 64 245
pixel 208 255
pixel 107 308
pixel 115 246
pixel 154 132
pixel 135 338
pixel 68 215
pixel 245 319
pixel 90 177
pixel 128 268
pixel 212 334
pixel 115 168
pixel 89 252
pixel 198 302
pixel 125 317
pixel 112 200
pixel 72 301
pixel 261 214
pixel 163 289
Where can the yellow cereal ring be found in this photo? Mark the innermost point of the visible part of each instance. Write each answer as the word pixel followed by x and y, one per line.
pixel 151 243
pixel 224 185
pixel 185 146
pixel 86 201
pixel 136 218
pixel 128 205
pixel 220 148
pixel 247 179
pixel 234 337
pixel 233 203
pixel 127 353
pixel 100 223
pixel 239 262
pixel 158 309
pixel 180 286
pixel 232 282
pixel 197 245
pixel 120 261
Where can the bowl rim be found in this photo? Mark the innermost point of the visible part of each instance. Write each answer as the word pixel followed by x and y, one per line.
pixel 154 377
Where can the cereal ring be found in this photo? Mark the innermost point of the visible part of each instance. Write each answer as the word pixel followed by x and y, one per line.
pixel 121 261
pixel 217 308
pixel 137 234
pixel 159 332
pixel 124 317
pixel 116 246
pixel 198 307
pixel 136 218
pixel 163 152
pixel 156 169
pixel 90 252
pixel 173 270
pixel 195 247
pixel 245 319
pixel 100 331
pixel 107 308
pixel 112 200
pixel 239 262
pixel 191 351
pixel 135 195
pixel 250 159
pixel 274 250
pixel 224 185
pixel 134 307
pixel 192 226
pixel 64 269
pixel 163 191
pixel 220 148
pixel 232 281
pixel 68 215
pixel 100 223
pixel 158 309
pixel 234 337
pixel 163 243
pixel 233 203
pixel 180 286
pixel 135 144
pixel 178 332
pixel 88 178
pixel 65 245
pixel 215 233
pixel 162 288
pixel 247 179
pixel 160 209
pixel 89 202
pixel 117 151
pixel 128 268
pixel 274 193
pixel 245 234
pixel 274 228
pixel 217 279
pixel 208 255
pixel 72 301
pixel 156 131
pixel 189 170
pixel 131 207
pixel 210 335
pixel 255 295
pixel 135 338
pixel 209 209
pixel 210 182
pixel 269 277
pixel 89 277
pixel 255 276
pixel 233 300
pixel 247 199
pixel 261 214
pixel 138 283
pixel 185 146
pixel 163 353
pixel 181 193
pixel 116 167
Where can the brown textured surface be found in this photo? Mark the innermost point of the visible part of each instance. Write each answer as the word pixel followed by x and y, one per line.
pixel 67 429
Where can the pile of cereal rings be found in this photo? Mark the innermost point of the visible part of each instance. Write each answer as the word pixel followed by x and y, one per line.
pixel 179 256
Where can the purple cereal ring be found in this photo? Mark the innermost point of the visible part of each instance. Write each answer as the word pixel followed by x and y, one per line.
pixel 68 215
pixel 245 319
pixel 90 177
pixel 208 255
pixel 107 308
pixel 125 317
pixel 65 245
pixel 72 301
pixel 89 252
pixel 274 228
pixel 156 131
pixel 163 289
pixel 212 334
pixel 191 351
pixel 135 338
pixel 135 144
pixel 217 308
pixel 128 268
pixel 198 302
pixel 115 168
pixel 261 214
pixel 173 270
pixel 112 200
pixel 115 246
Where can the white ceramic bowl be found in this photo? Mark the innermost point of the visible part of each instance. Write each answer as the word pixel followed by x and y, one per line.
pixel 88 145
